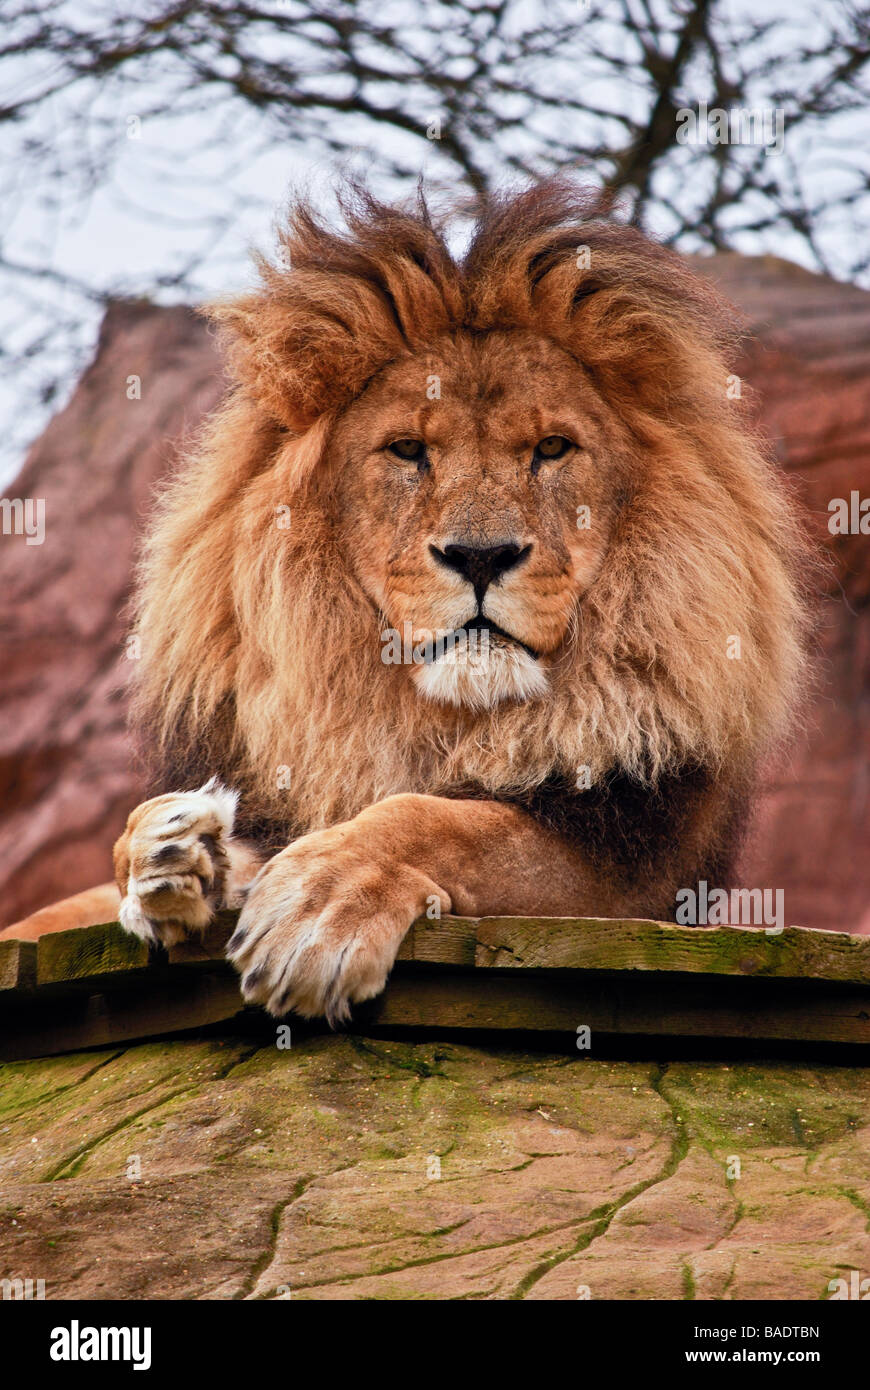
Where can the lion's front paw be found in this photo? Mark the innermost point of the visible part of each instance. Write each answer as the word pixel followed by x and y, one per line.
pixel 171 863
pixel 323 921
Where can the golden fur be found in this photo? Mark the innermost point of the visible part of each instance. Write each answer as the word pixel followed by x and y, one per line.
pixel 260 646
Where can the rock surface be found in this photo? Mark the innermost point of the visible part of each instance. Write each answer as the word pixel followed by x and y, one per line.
pixel 66 778
pixel 65 773
pixel 230 1169
pixel 809 370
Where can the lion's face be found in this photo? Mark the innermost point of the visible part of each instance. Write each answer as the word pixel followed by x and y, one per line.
pixel 410 445
pixel 477 491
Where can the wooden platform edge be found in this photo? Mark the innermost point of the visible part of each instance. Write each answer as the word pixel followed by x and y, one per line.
pixel 98 985
pixel 609 944
pixel 80 957
pixel 17 966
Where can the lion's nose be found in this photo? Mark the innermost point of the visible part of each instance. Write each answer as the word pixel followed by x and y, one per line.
pixel 481 565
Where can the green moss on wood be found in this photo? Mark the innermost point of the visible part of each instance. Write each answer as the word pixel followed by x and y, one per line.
pixel 87 954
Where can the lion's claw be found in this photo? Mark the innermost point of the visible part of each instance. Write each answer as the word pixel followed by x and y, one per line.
pixel 322 924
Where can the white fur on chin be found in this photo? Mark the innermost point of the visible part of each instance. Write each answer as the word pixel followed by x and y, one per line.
pixel 482 679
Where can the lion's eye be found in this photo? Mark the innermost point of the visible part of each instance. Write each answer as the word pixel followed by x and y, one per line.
pixel 413 450
pixel 552 447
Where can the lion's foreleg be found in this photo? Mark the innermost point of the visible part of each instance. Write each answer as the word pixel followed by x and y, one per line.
pixel 492 858
pixel 324 919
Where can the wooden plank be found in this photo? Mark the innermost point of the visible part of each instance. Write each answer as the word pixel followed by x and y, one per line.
pixel 706 1007
pixel 442 941
pixel 590 943
pixel 205 951
pixel 71 1022
pixel 510 943
pixel 17 965
pixel 550 974
pixel 88 953
pixel 416 1000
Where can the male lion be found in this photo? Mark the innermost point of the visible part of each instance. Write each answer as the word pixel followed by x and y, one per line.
pixel 478 592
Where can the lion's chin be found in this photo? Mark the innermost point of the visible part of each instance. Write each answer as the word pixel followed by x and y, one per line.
pixel 483 679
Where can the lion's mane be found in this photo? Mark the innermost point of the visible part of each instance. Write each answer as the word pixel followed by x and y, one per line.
pixel 261 655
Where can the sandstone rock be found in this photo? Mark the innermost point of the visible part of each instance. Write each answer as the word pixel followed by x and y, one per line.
pixel 352 1168
pixel 809 368
pixel 66 778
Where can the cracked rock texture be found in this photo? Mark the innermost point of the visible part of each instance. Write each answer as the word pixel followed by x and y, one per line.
pixel 349 1168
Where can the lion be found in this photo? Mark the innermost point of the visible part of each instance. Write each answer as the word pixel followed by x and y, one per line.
pixel 478 595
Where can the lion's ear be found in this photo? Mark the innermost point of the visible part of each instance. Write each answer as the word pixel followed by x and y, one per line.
pixel 305 343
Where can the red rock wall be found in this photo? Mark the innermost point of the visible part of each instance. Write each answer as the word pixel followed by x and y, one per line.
pixel 65 772
pixel 810 367
pixel 66 780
